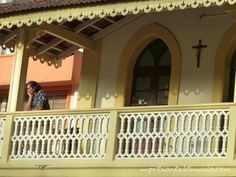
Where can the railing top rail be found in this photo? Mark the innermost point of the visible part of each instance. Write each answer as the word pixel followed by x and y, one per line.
pixel 124 109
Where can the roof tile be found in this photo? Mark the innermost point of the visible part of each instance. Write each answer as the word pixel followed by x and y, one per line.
pixel 28 5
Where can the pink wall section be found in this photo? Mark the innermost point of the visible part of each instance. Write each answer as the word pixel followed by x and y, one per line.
pixel 68 73
pixel 5 69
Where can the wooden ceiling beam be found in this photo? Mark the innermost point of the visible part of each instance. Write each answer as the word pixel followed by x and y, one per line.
pixel 96 27
pixel 102 33
pixel 67 52
pixel 84 25
pixel 69 36
pixel 114 26
pixel 48 46
pixel 56 41
pixel 11 35
pixel 108 19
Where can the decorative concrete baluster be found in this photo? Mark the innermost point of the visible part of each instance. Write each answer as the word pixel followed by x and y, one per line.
pixel 188 132
pixel 58 137
pixel 80 149
pixel 132 153
pixel 225 130
pixel 154 131
pixel 204 130
pixel 126 138
pixel 120 135
pixel 181 134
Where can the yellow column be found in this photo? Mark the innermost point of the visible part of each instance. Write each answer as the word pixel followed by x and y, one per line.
pixel 231 134
pixel 19 72
pixel 112 141
pixel 89 77
pixel 7 138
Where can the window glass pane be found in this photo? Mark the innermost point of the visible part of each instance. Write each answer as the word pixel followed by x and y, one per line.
pixel 152 75
pixel 143 83
pixel 162 97
pixel 57 98
pixel 158 48
pixel 165 59
pixel 59 102
pixel 163 82
pixel 141 98
pixel 146 59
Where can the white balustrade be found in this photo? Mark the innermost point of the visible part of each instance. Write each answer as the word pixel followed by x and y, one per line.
pixel 82 136
pixel 173 134
pixel 2 126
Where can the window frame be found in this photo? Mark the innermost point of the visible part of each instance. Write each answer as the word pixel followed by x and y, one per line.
pixel 154 72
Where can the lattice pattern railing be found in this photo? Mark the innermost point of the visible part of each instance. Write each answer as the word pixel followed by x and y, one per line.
pixel 61 136
pixel 2 126
pixel 177 134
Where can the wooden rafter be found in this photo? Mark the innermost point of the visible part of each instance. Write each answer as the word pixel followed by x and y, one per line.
pixel 67 52
pixel 11 35
pixel 77 29
pixel 45 44
pixel 108 19
pixel 48 45
pixel 84 25
pixel 67 35
pixel 56 41
pixel 96 27
pixel 114 26
pixel 103 32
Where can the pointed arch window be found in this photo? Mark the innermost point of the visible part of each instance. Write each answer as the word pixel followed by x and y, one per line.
pixel 152 75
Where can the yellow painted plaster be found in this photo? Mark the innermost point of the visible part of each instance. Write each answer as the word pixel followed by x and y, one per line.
pixel 89 77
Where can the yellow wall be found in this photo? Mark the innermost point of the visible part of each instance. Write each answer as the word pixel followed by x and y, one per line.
pixel 187 28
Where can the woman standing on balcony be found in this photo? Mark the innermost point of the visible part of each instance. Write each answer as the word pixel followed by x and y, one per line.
pixel 38 99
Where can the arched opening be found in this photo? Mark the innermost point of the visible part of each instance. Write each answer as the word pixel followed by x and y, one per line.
pixel 224 79
pixel 140 40
pixel 152 75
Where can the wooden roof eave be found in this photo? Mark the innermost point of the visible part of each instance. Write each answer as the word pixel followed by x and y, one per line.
pixel 51 22
pixel 102 10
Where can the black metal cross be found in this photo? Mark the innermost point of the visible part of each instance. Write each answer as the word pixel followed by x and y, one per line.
pixel 199 48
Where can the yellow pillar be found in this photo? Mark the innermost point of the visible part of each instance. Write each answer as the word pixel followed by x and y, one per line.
pixel 19 72
pixel 231 135
pixel 89 77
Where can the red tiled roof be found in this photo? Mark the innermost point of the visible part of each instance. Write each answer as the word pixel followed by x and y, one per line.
pixel 29 5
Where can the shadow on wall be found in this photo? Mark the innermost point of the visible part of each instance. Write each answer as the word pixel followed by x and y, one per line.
pixel 194 95
pixel 194 91
pixel 106 99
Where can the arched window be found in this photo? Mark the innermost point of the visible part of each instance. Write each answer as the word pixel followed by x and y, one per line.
pixel 152 75
pixel 230 97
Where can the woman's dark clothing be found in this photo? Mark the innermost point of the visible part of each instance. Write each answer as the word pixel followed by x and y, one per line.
pixel 40 100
